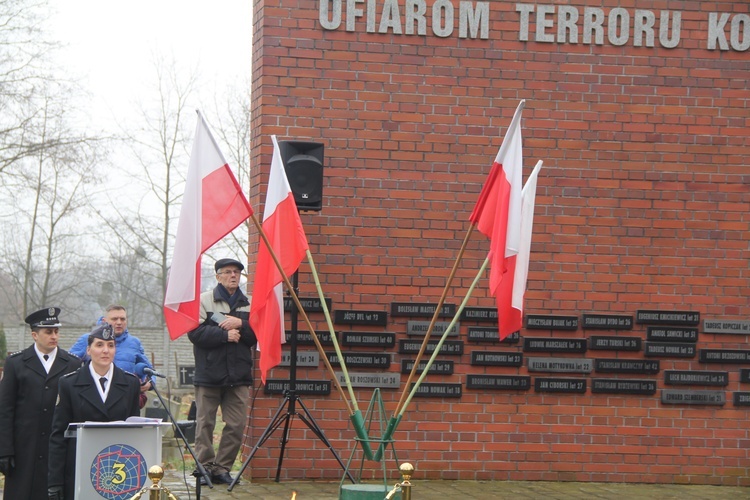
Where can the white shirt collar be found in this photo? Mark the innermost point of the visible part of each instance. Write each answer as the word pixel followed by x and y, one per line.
pixel 102 392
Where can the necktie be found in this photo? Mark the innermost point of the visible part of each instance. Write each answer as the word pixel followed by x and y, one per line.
pixel 103 382
pixel 46 357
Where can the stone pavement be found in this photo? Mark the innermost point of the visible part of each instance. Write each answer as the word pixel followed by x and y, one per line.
pixel 438 490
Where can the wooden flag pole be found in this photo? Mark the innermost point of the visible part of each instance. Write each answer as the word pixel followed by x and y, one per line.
pixel 297 303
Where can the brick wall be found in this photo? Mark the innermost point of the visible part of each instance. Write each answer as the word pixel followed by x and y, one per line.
pixel 643 204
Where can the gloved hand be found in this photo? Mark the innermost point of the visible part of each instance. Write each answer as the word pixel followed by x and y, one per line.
pixel 55 493
pixel 7 464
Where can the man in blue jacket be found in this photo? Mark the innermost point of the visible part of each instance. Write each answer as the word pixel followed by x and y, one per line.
pixel 129 355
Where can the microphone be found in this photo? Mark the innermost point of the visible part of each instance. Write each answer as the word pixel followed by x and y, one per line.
pixel 153 373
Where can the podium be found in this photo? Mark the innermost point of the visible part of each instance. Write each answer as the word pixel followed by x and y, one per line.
pixel 113 458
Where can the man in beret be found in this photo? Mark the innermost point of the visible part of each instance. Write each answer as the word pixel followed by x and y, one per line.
pixel 99 392
pixel 222 346
pixel 28 391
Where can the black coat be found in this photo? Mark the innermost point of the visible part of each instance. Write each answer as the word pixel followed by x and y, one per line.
pixel 80 401
pixel 27 403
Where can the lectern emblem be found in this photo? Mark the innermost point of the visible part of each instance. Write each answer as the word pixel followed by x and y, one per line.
pixel 118 472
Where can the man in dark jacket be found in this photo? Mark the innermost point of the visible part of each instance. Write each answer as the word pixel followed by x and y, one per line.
pixel 98 392
pixel 222 346
pixel 28 391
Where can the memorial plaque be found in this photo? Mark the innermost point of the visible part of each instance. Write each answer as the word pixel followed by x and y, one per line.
pixel 384 380
pixel 438 329
pixel 556 365
pixel 480 314
pixel 574 385
pixel 375 318
pixel 369 339
pixel 186 374
pixel 484 358
pixel 688 397
pixel 548 344
pixel 611 343
pixel 430 390
pixel 688 377
pixel 439 367
pixel 623 386
pixel 745 375
pixel 499 382
pixel 741 398
pixel 306 338
pixel 544 322
pixel 361 359
pixel 309 387
pixel 683 318
pixel 733 356
pixel 422 310
pixel 669 350
pixel 449 347
pixel 728 326
pixel 607 322
pixel 646 367
pixel 491 335
pixel 304 358
pixel 672 334
pixel 311 304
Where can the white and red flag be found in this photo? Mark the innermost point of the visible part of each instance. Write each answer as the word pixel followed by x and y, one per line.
pixel 498 214
pixel 212 206
pixel 286 236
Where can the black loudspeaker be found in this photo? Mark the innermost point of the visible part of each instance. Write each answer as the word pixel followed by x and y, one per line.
pixel 303 162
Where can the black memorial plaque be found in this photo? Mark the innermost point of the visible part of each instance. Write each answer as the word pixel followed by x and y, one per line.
pixel 558 365
pixel 745 375
pixel 642 366
pixel 186 374
pixel 430 390
pixel 304 358
pixel 613 343
pixel 606 322
pixel 449 347
pixel 309 387
pixel 672 334
pixel 382 380
pixel 545 322
pixel 682 318
pixel 311 304
pixel 689 377
pixel 623 386
pixel 690 397
pixel 361 359
pixel 306 338
pixel 549 344
pixel 479 314
pixel 374 318
pixel 438 367
pixel 499 358
pixel 369 339
pixel 729 356
pixel 549 384
pixel 421 310
pixel 726 326
pixel 669 350
pixel 499 382
pixel 490 335
pixel 741 398
pixel 438 329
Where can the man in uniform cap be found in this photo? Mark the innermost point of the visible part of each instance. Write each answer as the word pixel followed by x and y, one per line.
pixel 98 392
pixel 222 346
pixel 28 391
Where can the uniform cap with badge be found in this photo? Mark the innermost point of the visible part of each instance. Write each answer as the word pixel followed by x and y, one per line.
pixel 103 332
pixel 44 318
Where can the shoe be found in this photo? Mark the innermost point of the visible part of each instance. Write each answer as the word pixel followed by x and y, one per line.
pixel 197 474
pixel 224 478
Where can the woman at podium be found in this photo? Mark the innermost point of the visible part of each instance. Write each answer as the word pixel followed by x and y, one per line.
pixel 96 392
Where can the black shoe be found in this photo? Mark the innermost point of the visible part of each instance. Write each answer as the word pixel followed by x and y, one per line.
pixel 197 474
pixel 224 478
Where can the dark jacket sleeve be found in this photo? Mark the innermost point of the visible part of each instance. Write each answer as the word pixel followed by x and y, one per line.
pixel 8 386
pixel 57 444
pixel 209 335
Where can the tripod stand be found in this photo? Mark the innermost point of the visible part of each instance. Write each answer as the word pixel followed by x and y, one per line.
pixel 290 402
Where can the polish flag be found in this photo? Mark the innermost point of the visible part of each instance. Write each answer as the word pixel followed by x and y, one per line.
pixel 212 206
pixel 283 228
pixel 497 214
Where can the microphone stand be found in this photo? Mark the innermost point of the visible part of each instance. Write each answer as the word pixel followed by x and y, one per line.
pixel 202 470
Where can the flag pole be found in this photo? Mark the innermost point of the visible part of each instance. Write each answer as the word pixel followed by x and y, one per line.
pixel 300 309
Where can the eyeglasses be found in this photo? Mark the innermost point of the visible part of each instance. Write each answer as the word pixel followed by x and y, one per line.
pixel 231 273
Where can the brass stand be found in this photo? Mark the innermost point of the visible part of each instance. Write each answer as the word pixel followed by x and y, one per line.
pixel 155 491
pixel 407 471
